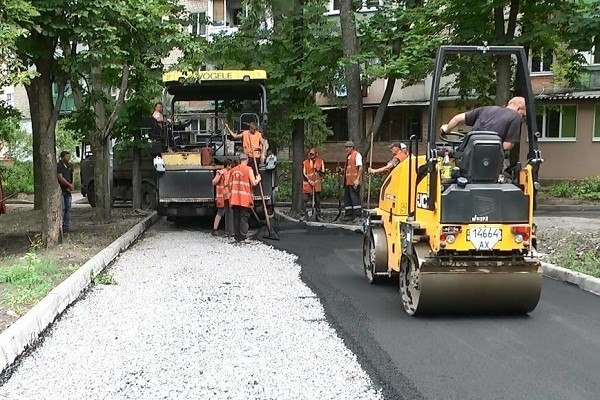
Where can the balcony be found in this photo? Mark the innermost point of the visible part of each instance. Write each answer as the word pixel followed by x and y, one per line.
pixel 590 79
pixel 213 30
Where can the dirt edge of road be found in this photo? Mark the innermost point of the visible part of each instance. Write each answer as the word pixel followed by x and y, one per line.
pixel 23 333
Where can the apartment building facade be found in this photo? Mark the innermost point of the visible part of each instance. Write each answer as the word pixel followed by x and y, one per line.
pixel 568 118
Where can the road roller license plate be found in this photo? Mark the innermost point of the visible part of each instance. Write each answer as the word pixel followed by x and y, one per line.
pixel 485 237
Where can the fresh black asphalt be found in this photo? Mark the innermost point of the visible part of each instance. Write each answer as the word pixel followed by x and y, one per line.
pixel 554 353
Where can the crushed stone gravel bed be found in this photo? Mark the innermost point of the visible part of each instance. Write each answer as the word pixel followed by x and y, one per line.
pixel 194 317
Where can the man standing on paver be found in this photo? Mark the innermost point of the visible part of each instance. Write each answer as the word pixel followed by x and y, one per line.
pixel 242 181
pixel 312 170
pixel 352 179
pixel 222 195
pixel 252 143
pixel 64 173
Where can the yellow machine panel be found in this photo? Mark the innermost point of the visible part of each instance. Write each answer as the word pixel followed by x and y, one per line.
pixel 220 75
pixel 183 158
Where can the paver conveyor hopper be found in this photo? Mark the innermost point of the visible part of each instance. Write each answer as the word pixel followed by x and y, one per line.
pixel 458 230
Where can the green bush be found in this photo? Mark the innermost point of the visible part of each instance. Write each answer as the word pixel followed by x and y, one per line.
pixel 583 189
pixel 17 177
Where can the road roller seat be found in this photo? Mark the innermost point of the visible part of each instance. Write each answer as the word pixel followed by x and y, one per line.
pixel 480 157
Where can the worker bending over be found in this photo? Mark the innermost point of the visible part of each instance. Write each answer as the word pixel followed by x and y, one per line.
pixel 313 169
pixel 505 121
pixel 253 143
pixel 242 181
pixel 400 152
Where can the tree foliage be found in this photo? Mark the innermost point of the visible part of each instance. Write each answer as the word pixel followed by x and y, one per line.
pixel 537 25
pixel 16 19
pixel 117 42
pixel 295 74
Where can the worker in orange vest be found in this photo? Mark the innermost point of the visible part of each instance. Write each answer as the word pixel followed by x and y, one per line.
pixel 242 180
pixel 352 180
pixel 252 143
pixel 312 171
pixel 222 195
pixel 400 152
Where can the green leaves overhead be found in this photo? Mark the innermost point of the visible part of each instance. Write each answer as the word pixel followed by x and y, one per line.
pixel 400 40
pixel 300 52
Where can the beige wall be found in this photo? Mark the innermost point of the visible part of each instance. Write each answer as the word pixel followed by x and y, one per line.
pixel 574 159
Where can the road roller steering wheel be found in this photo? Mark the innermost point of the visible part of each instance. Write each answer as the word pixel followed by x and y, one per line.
pixel 444 136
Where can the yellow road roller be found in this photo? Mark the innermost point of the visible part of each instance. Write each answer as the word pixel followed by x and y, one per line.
pixel 455 224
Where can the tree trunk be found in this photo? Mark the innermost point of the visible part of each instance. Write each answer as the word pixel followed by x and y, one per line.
pixel 102 190
pixel 39 93
pixel 100 149
pixel 352 69
pixel 385 100
pixel 37 166
pixel 505 35
pixel 298 130
pixel 503 74
pixel 137 178
pixel 297 159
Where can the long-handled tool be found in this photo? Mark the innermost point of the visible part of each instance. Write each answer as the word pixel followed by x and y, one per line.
pixel 270 231
pixel 339 194
pixel 313 214
pixel 369 180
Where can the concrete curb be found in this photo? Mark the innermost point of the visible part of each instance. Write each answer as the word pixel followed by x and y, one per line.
pixel 585 282
pixel 354 228
pixel 25 331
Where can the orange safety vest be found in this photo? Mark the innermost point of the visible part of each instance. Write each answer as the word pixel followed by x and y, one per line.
pixel 352 168
pixel 400 156
pixel 223 192
pixel 310 170
pixel 251 143
pixel 241 189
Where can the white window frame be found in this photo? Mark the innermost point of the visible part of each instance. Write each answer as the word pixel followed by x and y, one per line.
pixel 542 129
pixel 595 124
pixel 364 7
pixel 542 63
pixel 197 25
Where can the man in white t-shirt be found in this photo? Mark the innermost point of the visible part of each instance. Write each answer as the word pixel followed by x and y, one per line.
pixel 352 180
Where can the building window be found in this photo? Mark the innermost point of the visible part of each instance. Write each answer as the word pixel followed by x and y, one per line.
pixel 198 24
pixel 400 123
pixel 541 60
pixel 370 5
pixel 557 122
pixel 236 16
pixel 597 123
pixel 337 121
pixel 9 99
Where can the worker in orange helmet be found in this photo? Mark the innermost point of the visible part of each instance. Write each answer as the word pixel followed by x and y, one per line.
pixel 313 169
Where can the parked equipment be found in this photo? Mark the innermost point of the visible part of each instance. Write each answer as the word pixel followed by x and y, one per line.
pixel 462 242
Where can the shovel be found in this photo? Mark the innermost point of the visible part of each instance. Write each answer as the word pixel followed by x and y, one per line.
pixel 270 231
pixel 313 213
